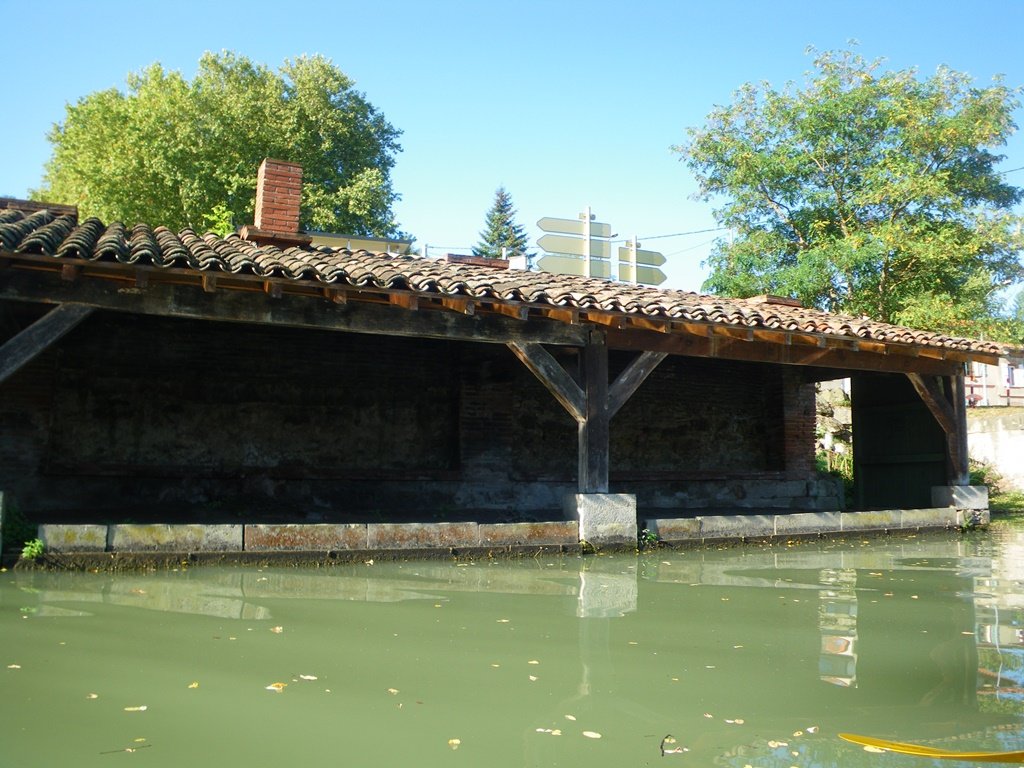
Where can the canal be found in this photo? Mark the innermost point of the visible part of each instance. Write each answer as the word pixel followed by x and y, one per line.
pixel 737 656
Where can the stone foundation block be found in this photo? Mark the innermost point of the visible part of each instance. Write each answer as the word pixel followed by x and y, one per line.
pixel 74 538
pixel 422 535
pixel 960 496
pixel 806 522
pixel 565 533
pixel 605 519
pixel 175 538
pixel 941 517
pixel 737 526
pixel 878 520
pixel 675 528
pixel 318 537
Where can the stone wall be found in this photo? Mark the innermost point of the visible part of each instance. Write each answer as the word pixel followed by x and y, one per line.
pixel 132 419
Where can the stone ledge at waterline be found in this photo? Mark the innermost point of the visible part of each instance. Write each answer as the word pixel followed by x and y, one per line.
pixel 438 537
pixel 719 527
pixel 320 537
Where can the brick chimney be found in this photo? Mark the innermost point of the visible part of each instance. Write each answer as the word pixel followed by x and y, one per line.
pixel 278 194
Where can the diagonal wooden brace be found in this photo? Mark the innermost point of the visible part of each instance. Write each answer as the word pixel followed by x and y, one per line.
pixel 31 341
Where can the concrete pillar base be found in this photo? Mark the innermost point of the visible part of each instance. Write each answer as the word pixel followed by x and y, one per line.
pixel 606 519
pixel 960 496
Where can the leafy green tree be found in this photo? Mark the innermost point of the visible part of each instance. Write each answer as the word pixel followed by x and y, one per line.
pixel 180 153
pixel 866 192
pixel 501 230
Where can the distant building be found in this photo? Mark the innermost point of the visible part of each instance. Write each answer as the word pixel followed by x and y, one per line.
pixel 1000 384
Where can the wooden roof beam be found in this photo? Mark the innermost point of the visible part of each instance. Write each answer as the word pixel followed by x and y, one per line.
pixel 165 299
pixel 840 357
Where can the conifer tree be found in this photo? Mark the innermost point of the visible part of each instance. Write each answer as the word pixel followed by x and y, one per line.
pixel 501 230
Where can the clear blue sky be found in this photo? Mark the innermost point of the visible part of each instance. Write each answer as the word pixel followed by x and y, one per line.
pixel 566 104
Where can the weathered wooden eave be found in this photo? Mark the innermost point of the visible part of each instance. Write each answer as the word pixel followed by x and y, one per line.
pixel 219 296
pixel 838 355
pixel 184 294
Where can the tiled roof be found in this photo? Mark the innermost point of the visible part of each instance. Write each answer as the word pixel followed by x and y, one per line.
pixel 62 237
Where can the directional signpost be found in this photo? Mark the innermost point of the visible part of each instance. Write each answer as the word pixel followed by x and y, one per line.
pixel 580 240
pixel 583 247
pixel 636 266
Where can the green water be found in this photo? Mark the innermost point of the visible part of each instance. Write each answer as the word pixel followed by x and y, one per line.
pixel 745 656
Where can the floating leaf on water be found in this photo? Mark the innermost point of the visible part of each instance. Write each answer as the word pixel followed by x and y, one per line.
pixel 307 677
pixel 592 734
pixel 92 695
pixel 454 743
pixel 812 729
pixel 776 744
pixel 495 665
pixel 798 734
pixel 141 708
pixel 503 621
pixel 393 691
pixel 533 678
pixel 533 661
pixel 708 715
pixel 14 666
pixel 277 630
pixel 368 562
pixel 140 739
pixel 878 750
pixel 556 731
pixel 570 717
pixel 194 684
pixel 277 687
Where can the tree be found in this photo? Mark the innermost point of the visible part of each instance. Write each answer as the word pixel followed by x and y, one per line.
pixel 864 192
pixel 501 230
pixel 182 153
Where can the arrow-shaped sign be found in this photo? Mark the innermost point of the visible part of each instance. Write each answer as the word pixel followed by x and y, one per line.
pixel 599 249
pixel 653 258
pixel 567 265
pixel 574 227
pixel 644 274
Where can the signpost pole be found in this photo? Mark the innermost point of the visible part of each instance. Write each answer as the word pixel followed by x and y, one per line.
pixel 633 245
pixel 586 242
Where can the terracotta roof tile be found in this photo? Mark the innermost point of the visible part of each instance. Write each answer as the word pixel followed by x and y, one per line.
pixel 60 236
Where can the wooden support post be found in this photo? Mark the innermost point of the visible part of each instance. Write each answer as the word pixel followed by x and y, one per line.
pixel 949 411
pixel 594 403
pixel 37 337
pixel 593 430
pixel 959 455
